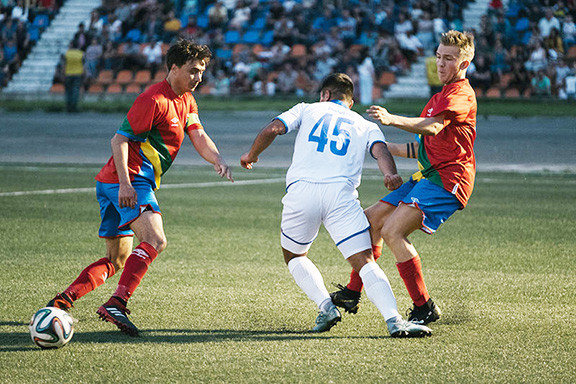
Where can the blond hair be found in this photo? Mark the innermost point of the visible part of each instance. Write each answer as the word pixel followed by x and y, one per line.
pixel 462 40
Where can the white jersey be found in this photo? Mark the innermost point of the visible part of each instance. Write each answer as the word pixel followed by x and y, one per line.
pixel 331 144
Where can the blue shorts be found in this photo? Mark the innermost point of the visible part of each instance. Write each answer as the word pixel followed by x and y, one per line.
pixel 435 203
pixel 115 220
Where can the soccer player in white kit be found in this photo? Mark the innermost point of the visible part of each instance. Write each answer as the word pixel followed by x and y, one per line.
pixel 321 189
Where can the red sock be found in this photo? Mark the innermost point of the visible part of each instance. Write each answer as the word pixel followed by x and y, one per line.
pixel 411 273
pixel 355 283
pixel 134 270
pixel 91 278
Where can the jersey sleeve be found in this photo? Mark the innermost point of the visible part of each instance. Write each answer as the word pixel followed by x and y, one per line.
pixel 456 104
pixel 139 120
pixel 192 119
pixel 292 118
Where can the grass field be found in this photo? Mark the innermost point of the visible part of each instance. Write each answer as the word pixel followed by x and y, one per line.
pixel 219 305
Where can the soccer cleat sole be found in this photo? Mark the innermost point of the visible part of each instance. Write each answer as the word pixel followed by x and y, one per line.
pixel 406 334
pixel 125 328
pixel 331 325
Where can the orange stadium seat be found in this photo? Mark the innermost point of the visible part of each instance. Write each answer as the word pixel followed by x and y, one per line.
pixel 133 88
pixel 493 92
pixel 159 76
pixel 376 92
pixel 512 92
pixel 96 88
pixel 298 50
pixel 124 76
pixel 142 77
pixel 106 76
pixel 57 88
pixel 114 88
pixel 571 55
pixel 386 79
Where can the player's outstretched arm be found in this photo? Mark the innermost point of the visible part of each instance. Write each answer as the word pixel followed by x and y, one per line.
pixel 262 141
pixel 428 126
pixel 387 166
pixel 207 149
pixel 409 150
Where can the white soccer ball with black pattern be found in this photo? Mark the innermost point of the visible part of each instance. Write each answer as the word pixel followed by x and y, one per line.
pixel 51 327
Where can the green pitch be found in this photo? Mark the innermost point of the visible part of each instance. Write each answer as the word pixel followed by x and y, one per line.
pixel 219 305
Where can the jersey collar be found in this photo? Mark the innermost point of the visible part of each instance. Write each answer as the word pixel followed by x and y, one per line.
pixel 340 102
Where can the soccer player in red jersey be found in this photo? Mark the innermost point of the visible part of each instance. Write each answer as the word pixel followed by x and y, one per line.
pixel 445 133
pixel 143 149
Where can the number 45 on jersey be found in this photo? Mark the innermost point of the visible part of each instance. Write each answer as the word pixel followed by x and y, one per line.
pixel 339 138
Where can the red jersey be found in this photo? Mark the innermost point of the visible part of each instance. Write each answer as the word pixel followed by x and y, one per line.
pixel 447 159
pixel 156 125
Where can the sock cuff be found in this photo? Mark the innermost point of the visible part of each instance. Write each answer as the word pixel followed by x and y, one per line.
pixel 109 265
pixel 296 262
pixel 367 268
pixel 150 250
pixel 409 267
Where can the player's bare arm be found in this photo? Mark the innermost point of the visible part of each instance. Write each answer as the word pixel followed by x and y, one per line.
pixel 428 126
pixel 408 150
pixel 265 137
pixel 387 166
pixel 127 196
pixel 209 152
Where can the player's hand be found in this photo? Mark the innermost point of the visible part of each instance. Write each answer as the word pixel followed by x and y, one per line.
pixel 380 113
pixel 127 196
pixel 246 160
pixel 392 182
pixel 223 170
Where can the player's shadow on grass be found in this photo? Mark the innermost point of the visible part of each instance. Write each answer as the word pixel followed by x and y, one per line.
pixel 186 336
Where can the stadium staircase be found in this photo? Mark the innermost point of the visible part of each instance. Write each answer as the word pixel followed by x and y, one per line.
pixel 415 84
pixel 35 76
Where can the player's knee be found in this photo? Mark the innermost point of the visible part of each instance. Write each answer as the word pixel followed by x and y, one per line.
pixel 159 243
pixel 389 233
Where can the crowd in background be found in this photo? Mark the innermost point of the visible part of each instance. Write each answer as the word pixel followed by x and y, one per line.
pixel 21 23
pixel 267 47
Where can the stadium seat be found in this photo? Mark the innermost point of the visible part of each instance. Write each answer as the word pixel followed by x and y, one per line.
pixel 298 50
pixel 202 21
pixel 133 88
pixel 114 89
pixel 96 88
pixel 41 21
pixel 386 79
pixel 232 37
pixel 165 47
pixel 124 76
pixel 259 23
pixel 159 76
pixel 251 37
pixel 57 88
pixel 571 55
pixel 505 80
pixel 376 92
pixel 34 33
pixel 106 76
pixel 223 53
pixel 493 93
pixel 267 38
pixel 238 48
pixel 142 77
pixel 513 92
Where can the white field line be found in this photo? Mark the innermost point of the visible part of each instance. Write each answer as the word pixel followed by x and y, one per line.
pixel 249 182
pixel 163 186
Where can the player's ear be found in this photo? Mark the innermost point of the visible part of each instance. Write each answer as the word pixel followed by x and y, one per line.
pixel 325 95
pixel 464 65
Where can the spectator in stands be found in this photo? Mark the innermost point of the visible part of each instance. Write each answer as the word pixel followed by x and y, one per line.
pixel 92 59
pixel 20 11
pixel 554 45
pixel 74 73
pixel 537 59
pixel 22 39
pixel 110 57
pixel 499 58
pixel 172 26
pixel 569 87
pixel 240 83
pixel 132 58
pixel 153 56
pixel 241 15
pixel 115 27
pixel 217 16
pixel 432 75
pixel 11 55
pixel 366 77
pixel 479 74
pixel 81 37
pixel 347 26
pixel 410 46
pixel 541 85
pixel 287 79
pixel 562 71
pixel 547 23
pixel 4 70
pixel 520 79
pixel 425 32
pixel 221 84
pixel 568 31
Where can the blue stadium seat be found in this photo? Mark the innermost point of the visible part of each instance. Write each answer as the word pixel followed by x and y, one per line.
pixel 134 35
pixel 267 38
pixel 34 33
pixel 251 37
pixel 224 53
pixel 232 37
pixel 202 21
pixel 259 24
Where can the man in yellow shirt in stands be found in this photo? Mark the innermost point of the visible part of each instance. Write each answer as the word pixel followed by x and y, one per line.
pixel 74 73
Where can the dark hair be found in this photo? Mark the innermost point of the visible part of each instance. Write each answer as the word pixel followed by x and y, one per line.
pixel 184 51
pixel 340 86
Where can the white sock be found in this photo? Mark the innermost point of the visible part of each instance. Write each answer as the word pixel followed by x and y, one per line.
pixel 378 290
pixel 309 279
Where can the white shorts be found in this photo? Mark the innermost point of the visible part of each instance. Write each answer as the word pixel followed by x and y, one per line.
pixel 336 205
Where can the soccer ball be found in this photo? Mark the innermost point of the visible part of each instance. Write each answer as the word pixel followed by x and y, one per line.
pixel 51 327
